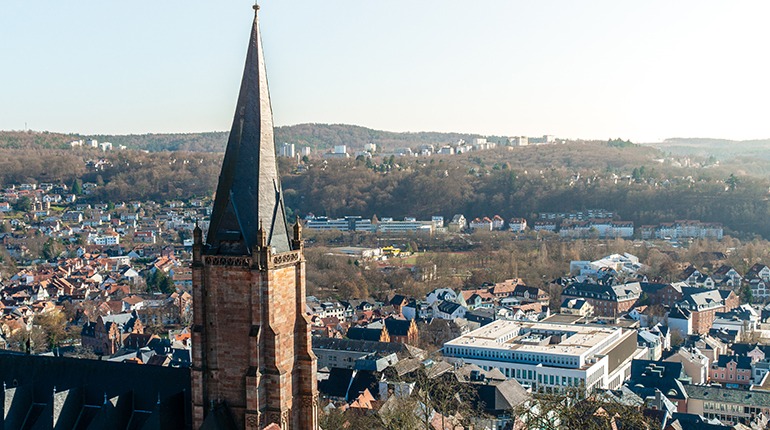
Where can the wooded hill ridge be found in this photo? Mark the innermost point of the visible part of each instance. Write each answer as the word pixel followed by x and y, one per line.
pixel 639 183
pixel 323 137
pixel 720 149
pixel 319 137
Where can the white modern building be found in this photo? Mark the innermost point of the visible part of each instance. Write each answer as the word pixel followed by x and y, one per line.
pixel 389 225
pixel 349 223
pixel 550 357
pixel 517 225
pixel 104 240
pixel 287 150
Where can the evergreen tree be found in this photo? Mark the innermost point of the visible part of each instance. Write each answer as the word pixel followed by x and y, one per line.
pixel 23 204
pixel 77 187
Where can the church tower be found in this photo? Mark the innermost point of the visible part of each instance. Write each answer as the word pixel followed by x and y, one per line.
pixel 252 358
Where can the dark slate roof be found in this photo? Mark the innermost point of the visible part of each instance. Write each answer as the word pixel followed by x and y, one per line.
pixel 742 361
pixel 91 394
pixel 680 313
pixel 754 270
pixel 573 303
pixel 694 422
pixel 728 395
pixel 689 271
pixel 595 291
pixel 448 307
pixel 364 333
pixel 723 334
pixel 398 300
pixel 327 343
pixel 397 327
pixel 665 376
pixel 249 193
pixel 180 357
pixel 652 287
pixel 745 348
pixel 520 290
pixel 722 271
pixel 364 380
pixel 337 384
pixel 482 316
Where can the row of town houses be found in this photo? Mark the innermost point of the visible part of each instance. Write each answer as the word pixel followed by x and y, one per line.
pixel 757 278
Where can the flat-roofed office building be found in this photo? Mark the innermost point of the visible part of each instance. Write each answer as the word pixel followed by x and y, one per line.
pixel 550 357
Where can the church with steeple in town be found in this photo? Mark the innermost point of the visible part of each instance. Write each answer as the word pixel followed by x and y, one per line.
pixel 252 360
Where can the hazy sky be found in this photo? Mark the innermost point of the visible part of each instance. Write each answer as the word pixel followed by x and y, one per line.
pixel 581 69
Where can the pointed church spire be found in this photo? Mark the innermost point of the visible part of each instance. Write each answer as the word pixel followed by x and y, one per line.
pixel 249 191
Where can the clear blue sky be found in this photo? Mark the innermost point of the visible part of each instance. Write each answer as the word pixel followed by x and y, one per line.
pixel 581 69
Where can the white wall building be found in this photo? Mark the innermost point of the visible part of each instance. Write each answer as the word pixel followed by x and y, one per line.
pixel 287 150
pixel 104 240
pixel 350 223
pixel 388 225
pixel 517 225
pixel 550 357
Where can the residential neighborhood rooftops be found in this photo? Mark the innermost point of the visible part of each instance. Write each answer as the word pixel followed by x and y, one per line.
pixel 727 395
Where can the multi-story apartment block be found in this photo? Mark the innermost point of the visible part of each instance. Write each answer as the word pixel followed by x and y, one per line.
pixel 683 229
pixel 705 304
pixel 349 223
pixel 517 225
pixel 389 225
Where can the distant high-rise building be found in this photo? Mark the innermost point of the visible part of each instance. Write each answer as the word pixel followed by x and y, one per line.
pixel 287 150
pixel 252 360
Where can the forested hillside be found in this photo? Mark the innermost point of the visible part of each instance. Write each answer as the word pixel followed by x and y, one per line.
pixel 476 186
pixel 640 183
pixel 325 136
pixel 320 137
pixel 720 149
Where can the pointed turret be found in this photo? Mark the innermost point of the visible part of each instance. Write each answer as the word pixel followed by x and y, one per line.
pixel 249 193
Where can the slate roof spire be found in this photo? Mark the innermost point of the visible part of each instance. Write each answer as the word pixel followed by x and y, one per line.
pixel 249 193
